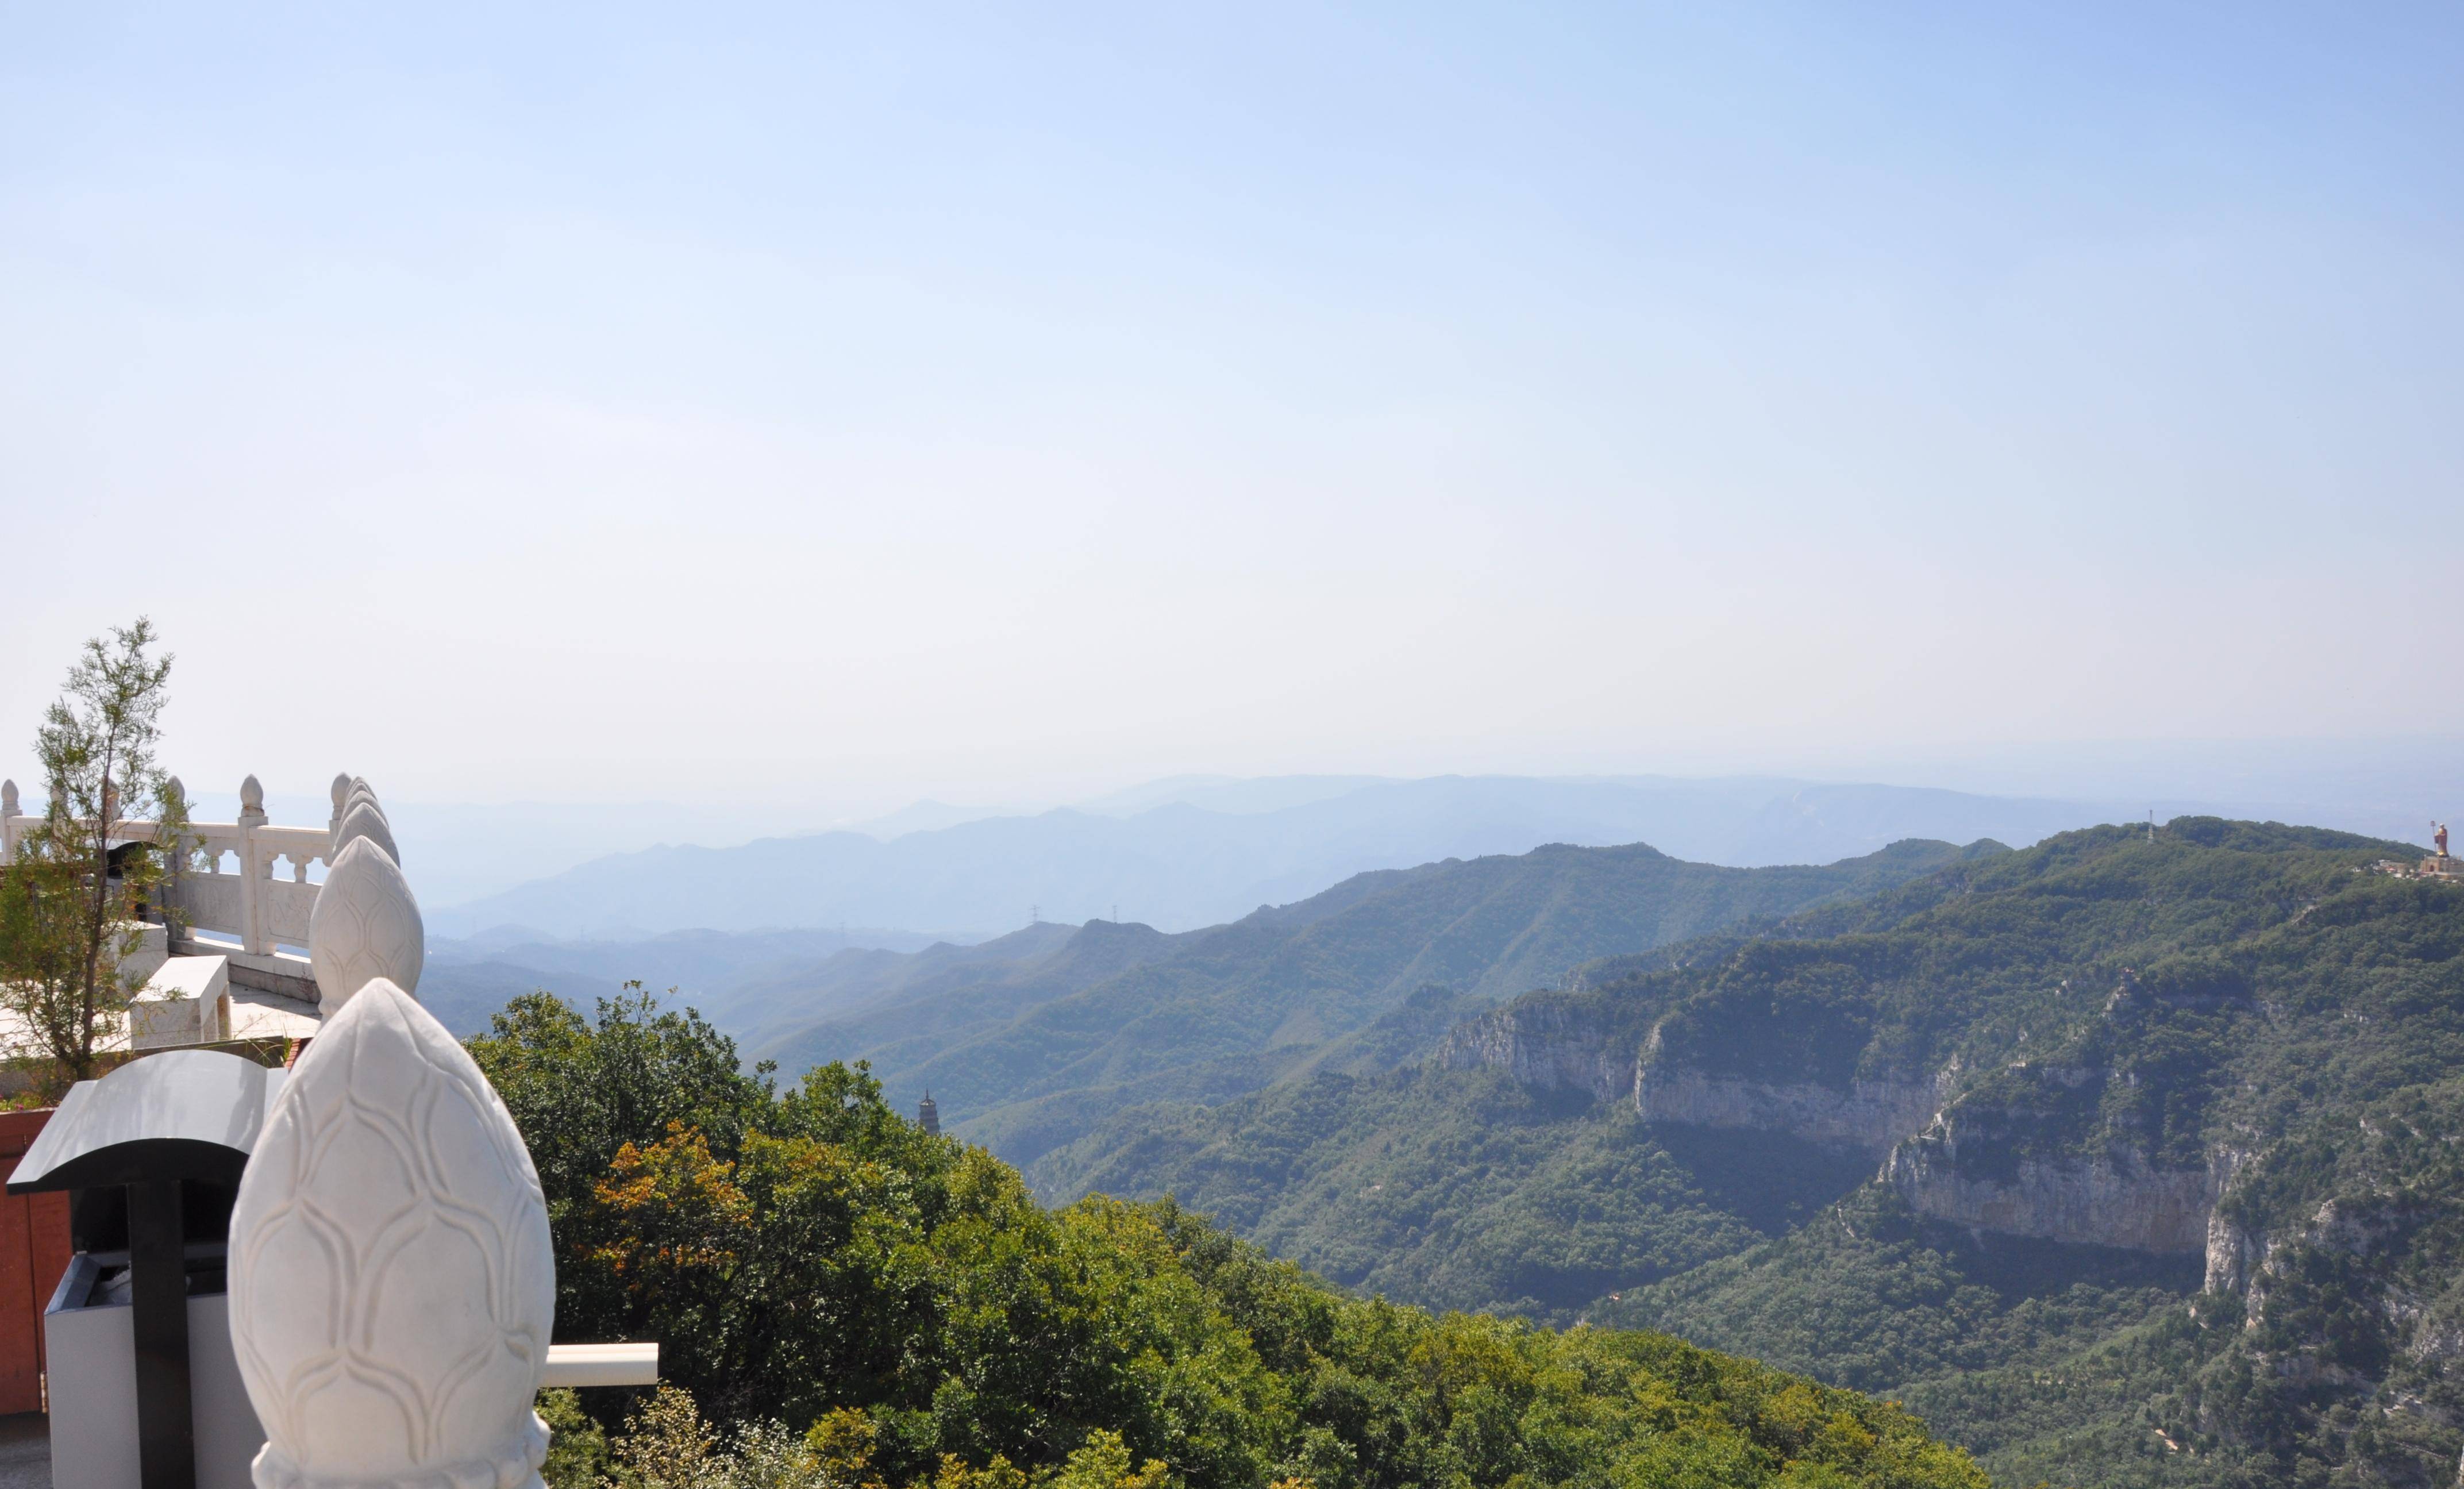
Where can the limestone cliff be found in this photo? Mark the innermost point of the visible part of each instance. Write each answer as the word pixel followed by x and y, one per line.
pixel 1571 1042
pixel 2025 1152
pixel 1871 1115
pixel 2108 1199
pixel 1574 1044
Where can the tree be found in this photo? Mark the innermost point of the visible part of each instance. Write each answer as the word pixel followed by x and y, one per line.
pixel 72 898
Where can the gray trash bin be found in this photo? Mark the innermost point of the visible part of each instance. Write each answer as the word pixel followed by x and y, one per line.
pixel 145 1391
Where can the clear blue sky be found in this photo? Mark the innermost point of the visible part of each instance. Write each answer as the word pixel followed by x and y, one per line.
pixel 900 400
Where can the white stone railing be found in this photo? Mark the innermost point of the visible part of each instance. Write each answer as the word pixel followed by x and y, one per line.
pixel 246 880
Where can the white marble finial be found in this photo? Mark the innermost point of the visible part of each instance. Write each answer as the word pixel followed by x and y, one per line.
pixel 175 793
pixel 342 788
pixel 365 821
pixel 366 926
pixel 252 800
pixel 7 798
pixel 392 1283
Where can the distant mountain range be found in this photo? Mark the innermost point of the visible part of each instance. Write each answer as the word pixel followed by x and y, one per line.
pixel 1029 1039
pixel 1196 852
pixel 1031 1056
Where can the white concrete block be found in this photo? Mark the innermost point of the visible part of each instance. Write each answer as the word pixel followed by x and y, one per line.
pixel 631 1364
pixel 186 1001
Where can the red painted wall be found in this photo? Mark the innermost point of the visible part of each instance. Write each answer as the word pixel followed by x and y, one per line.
pixel 33 1253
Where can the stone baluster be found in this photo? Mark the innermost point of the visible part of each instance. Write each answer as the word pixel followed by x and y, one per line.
pixel 254 936
pixel 366 924
pixel 392 1284
pixel 8 821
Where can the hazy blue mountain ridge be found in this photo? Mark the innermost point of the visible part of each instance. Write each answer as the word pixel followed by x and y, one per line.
pixel 1180 865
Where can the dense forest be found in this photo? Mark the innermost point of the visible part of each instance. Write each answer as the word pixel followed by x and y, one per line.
pixel 842 1298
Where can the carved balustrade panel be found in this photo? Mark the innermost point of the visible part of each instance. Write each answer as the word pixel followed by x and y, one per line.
pixel 212 903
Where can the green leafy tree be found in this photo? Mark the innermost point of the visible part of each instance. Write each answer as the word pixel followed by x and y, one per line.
pixel 78 884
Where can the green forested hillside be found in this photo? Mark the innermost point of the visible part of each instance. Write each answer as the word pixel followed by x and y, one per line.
pixel 2121 1070
pixel 1231 1009
pixel 846 1303
pixel 1459 1189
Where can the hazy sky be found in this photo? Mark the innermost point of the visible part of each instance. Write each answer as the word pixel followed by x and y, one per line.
pixel 694 401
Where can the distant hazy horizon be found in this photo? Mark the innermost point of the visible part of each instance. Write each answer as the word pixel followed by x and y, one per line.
pixel 461 851
pixel 839 409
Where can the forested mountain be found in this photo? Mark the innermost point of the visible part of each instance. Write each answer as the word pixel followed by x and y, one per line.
pixel 1032 1055
pixel 845 1302
pixel 2125 1161
pixel 1179 865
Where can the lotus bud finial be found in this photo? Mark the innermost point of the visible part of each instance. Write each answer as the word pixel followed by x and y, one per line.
pixel 392 1283
pixel 364 821
pixel 366 926
pixel 252 800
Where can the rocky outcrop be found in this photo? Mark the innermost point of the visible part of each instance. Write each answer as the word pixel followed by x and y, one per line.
pixel 1548 1045
pixel 2233 1253
pixel 2114 1199
pixel 1871 1115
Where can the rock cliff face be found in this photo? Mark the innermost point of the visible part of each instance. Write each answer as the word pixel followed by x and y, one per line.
pixel 1548 1045
pixel 1572 1046
pixel 2233 1253
pixel 2103 1199
pixel 2113 1197
pixel 1871 1115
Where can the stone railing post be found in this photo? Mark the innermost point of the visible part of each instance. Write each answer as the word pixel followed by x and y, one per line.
pixel 8 821
pixel 253 869
pixel 175 849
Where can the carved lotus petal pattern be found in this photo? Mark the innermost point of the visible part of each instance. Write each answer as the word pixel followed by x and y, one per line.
pixel 365 821
pixel 392 1286
pixel 366 926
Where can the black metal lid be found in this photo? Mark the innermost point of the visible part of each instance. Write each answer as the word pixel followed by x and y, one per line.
pixel 181 1114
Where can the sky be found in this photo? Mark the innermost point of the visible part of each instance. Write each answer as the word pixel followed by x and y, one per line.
pixel 829 407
